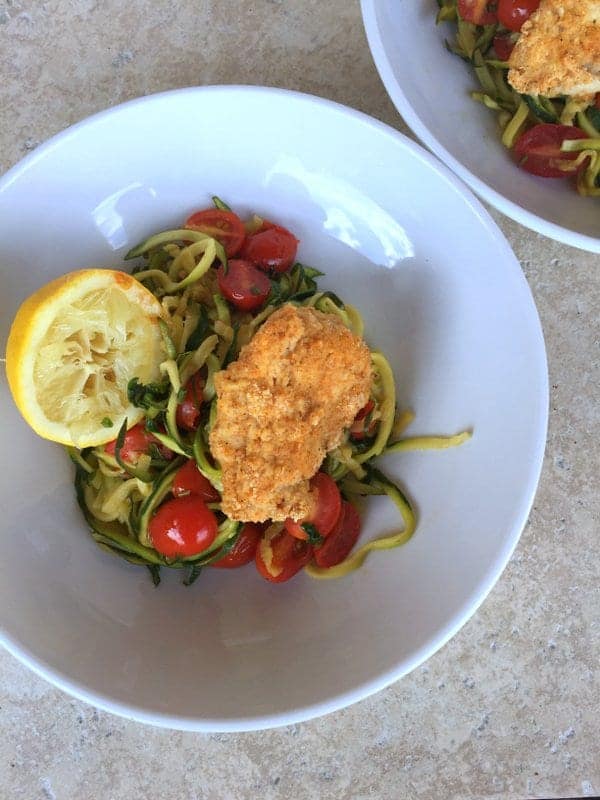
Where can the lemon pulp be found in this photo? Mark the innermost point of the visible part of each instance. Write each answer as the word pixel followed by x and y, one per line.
pixel 72 350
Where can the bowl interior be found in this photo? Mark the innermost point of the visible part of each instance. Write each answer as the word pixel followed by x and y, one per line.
pixel 442 295
pixel 431 89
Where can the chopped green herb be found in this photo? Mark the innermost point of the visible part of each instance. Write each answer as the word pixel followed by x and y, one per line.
pixel 218 203
pixel 314 537
pixel 192 575
pixel 200 332
pixel 154 571
pixel 149 395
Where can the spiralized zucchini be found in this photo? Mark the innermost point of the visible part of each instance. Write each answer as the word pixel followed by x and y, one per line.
pixel 202 332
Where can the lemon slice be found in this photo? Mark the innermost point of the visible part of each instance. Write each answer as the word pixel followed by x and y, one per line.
pixel 72 349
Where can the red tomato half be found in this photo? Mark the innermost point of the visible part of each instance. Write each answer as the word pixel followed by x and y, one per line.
pixel 189 480
pixel 538 150
pixel 363 426
pixel 503 45
pixel 341 540
pixel 280 556
pixel 513 13
pixel 188 411
pixel 327 509
pixel 244 550
pixel 479 12
pixel 243 285
pixel 224 226
pixel 136 443
pixel 271 248
pixel 183 526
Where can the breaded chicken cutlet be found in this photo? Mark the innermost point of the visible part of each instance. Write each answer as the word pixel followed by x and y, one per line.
pixel 558 51
pixel 281 407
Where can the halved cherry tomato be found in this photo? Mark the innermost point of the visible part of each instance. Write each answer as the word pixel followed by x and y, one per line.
pixel 271 248
pixel 183 526
pixel 224 226
pixel 341 540
pixel 137 443
pixel 538 150
pixel 189 480
pixel 244 550
pixel 188 411
pixel 280 556
pixel 366 409
pixel 363 426
pixel 245 286
pixel 503 45
pixel 513 13
pixel 327 508
pixel 479 12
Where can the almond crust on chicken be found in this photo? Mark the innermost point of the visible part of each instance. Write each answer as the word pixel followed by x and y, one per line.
pixel 558 51
pixel 281 407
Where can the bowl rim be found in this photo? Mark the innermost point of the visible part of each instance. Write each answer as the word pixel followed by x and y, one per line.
pixel 403 106
pixel 437 640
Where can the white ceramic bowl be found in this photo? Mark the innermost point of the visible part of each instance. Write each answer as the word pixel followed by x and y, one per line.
pixel 441 293
pixel 430 88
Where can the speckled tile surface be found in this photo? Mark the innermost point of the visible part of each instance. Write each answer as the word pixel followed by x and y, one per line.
pixel 509 708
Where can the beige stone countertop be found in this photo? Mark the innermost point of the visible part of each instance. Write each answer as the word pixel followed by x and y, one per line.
pixel 507 709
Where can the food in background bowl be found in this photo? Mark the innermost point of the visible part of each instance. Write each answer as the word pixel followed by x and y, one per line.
pixel 538 64
pixel 431 89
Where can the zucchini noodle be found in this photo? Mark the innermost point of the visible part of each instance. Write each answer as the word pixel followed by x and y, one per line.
pixel 401 422
pixel 428 443
pixel 213 474
pixel 109 497
pixel 202 333
pixel 516 125
pixel 385 392
pixel 378 484
pixel 198 358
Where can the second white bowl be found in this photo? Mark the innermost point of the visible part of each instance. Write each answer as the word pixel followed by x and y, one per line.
pixel 430 88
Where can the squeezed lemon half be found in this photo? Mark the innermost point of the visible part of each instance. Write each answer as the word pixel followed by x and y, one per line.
pixel 72 349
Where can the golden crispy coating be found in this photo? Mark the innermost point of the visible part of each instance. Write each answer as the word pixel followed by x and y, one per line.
pixel 558 51
pixel 281 407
